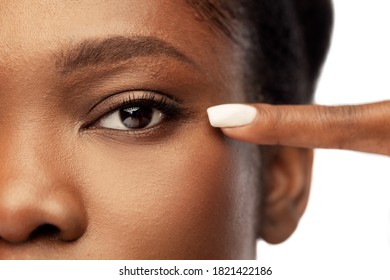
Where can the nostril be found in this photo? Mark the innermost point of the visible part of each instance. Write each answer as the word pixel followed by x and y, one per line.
pixel 32 210
pixel 45 231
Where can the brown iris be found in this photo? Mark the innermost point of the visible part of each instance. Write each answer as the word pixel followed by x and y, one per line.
pixel 136 117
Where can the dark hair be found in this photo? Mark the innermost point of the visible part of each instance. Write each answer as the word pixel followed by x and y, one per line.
pixel 287 43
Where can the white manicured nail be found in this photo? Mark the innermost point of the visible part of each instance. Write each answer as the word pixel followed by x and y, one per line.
pixel 231 115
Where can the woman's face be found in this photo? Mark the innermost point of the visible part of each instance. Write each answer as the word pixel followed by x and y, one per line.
pixel 105 146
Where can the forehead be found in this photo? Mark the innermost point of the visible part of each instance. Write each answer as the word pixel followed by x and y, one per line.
pixel 33 33
pixel 46 24
pixel 221 15
pixel 28 22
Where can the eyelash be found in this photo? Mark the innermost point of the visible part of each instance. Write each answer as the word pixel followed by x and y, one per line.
pixel 148 100
pixel 156 100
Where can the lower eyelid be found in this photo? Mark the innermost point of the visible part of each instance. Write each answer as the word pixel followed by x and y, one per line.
pixel 151 135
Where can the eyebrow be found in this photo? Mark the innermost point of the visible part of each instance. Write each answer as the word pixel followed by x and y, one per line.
pixel 112 50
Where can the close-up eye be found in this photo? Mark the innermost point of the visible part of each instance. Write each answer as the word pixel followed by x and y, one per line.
pixel 137 110
pixel 132 117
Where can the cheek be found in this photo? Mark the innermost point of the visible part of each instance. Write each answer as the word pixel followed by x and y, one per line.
pixel 187 198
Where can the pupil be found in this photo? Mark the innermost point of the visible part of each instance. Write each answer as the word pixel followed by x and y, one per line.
pixel 136 117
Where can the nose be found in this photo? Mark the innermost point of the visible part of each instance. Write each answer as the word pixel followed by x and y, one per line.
pixel 32 208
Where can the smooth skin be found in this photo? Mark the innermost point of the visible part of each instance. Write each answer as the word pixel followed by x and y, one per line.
pixel 73 186
pixel 364 128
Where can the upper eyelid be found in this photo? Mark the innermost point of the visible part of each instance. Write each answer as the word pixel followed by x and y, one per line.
pixel 161 106
pixel 141 101
pixel 145 93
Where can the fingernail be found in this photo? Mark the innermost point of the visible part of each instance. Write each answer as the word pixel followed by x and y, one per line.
pixel 231 115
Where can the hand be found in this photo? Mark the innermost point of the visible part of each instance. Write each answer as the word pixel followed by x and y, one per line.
pixel 364 128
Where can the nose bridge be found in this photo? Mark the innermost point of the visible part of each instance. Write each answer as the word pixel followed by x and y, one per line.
pixel 30 133
pixel 22 147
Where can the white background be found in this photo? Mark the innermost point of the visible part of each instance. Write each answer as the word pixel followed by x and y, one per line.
pixel 345 232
